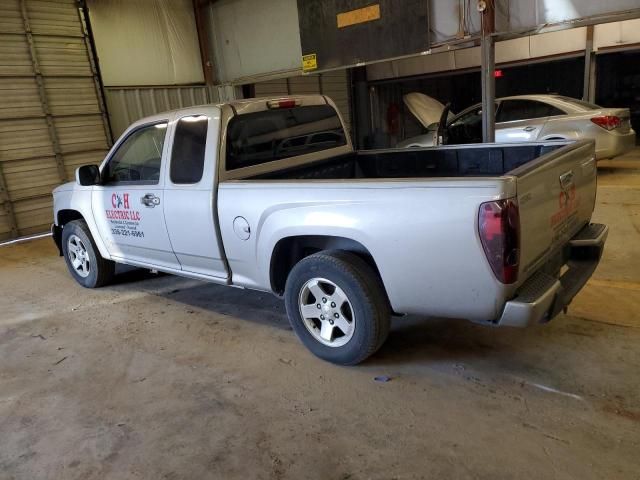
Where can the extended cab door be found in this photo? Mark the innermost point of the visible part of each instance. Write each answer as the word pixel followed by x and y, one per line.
pixel 190 195
pixel 127 205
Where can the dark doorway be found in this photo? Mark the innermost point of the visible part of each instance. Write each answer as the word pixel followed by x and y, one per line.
pixel 564 77
pixel 618 82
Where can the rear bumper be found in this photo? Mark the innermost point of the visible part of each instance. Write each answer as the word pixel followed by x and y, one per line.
pixel 614 144
pixel 543 295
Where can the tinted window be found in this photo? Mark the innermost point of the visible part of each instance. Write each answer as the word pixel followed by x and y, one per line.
pixel 187 154
pixel 138 158
pixel 255 138
pixel 467 128
pixel 469 117
pixel 511 110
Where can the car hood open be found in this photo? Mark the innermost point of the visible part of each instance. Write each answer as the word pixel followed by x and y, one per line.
pixel 426 109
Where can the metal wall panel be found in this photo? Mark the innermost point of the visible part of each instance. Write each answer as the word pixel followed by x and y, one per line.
pixel 128 104
pixel 254 37
pixel 525 14
pixel 272 88
pixel 617 34
pixel 146 42
pixel 513 50
pixel 52 117
pixel 333 84
pixel 345 33
pixel 336 85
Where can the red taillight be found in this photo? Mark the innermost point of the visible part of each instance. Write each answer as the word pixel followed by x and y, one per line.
pixel 499 228
pixel 284 103
pixel 608 122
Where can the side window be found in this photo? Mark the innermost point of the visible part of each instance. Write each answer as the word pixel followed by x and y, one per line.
pixel 187 154
pixel 466 128
pixel 471 117
pixel 138 158
pixel 553 111
pixel 512 110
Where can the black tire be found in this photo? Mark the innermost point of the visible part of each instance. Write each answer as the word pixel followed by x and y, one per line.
pixel 100 270
pixel 366 295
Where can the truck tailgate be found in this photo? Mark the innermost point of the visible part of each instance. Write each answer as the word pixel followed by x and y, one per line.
pixel 556 196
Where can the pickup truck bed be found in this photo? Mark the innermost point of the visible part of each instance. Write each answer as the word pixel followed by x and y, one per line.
pixel 474 161
pixel 416 212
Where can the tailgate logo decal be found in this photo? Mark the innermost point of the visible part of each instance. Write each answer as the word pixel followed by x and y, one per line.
pixel 568 200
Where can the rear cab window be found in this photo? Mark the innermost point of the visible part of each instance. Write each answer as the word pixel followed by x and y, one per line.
pixel 261 137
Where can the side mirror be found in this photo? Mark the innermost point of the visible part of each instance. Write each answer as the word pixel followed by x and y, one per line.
pixel 88 175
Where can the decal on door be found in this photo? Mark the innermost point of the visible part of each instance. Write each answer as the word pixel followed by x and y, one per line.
pixel 125 222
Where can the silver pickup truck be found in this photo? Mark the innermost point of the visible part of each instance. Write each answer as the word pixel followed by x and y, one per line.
pixel 268 194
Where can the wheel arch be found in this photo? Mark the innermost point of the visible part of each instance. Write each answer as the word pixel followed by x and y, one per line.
pixel 290 250
pixel 67 215
pixel 63 217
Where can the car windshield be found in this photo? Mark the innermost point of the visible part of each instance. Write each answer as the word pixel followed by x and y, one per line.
pixel 579 103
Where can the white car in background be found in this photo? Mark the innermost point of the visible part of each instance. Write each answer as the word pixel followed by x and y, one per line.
pixel 525 118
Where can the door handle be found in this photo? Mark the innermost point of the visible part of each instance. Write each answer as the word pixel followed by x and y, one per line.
pixel 150 200
pixel 529 129
pixel 566 179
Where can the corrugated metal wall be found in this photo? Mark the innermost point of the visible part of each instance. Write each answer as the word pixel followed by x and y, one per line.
pixel 333 84
pixel 128 104
pixel 51 116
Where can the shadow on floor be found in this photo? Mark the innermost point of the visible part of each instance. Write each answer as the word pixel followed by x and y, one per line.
pixel 411 338
pixel 258 307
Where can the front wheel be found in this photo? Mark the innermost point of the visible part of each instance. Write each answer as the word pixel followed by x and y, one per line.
pixel 337 306
pixel 83 258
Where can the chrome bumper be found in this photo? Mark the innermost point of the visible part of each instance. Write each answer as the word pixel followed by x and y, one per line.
pixel 543 296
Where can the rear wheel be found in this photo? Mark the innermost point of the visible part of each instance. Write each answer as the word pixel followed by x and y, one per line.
pixel 83 258
pixel 337 306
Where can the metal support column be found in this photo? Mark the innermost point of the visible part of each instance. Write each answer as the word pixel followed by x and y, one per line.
pixel 362 107
pixel 488 51
pixel 53 136
pixel 203 41
pixel 83 17
pixel 588 92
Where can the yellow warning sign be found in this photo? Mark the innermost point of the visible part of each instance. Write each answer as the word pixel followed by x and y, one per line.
pixel 309 62
pixel 361 15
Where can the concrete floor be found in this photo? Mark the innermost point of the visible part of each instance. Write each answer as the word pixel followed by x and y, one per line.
pixel 161 377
